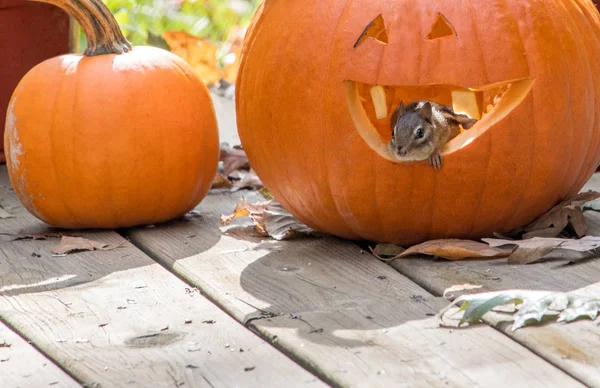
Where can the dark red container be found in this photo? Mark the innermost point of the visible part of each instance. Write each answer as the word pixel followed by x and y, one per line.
pixel 29 34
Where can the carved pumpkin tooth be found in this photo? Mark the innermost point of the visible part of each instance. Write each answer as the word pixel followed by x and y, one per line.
pixel 469 102
pixel 489 108
pixel 379 101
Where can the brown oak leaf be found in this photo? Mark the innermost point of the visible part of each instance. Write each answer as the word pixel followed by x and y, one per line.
pixel 234 159
pixel 69 244
pixel 269 219
pixel 221 182
pixel 455 249
pixel 568 212
pixel 534 249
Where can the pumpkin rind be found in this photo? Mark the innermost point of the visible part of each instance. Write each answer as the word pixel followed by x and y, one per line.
pixel 111 141
pixel 295 126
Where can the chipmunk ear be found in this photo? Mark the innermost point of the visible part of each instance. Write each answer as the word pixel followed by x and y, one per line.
pixel 465 121
pixel 426 112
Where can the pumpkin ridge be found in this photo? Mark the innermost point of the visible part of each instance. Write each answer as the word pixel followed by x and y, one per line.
pixel 314 159
pixel 568 172
pixel 341 220
pixel 526 187
pixel 54 133
pixel 92 151
pixel 475 209
pixel 593 141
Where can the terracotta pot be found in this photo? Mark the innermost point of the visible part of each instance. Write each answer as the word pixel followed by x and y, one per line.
pixel 29 34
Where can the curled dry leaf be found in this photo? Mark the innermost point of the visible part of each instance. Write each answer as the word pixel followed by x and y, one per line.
pixel 386 251
pixel 566 213
pixel 454 249
pixel 534 306
pixel 269 219
pixel 200 53
pixel 244 209
pixel 234 159
pixel 221 182
pixel 69 244
pixel 534 249
pixel 249 181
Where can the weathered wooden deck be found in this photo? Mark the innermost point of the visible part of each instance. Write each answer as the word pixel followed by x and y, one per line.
pixel 192 304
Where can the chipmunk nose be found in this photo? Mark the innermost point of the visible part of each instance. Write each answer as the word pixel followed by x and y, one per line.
pixel 401 151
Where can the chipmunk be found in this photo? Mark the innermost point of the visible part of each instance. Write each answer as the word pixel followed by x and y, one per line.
pixel 422 128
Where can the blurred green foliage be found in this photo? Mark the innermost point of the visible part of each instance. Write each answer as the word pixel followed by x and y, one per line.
pixel 143 20
pixel 206 18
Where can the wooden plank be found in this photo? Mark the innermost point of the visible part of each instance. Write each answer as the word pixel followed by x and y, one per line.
pixel 351 319
pixel 116 318
pixel 493 275
pixel 22 366
pixel 571 347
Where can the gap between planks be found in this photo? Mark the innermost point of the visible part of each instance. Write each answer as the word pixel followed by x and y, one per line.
pixel 572 347
pixel 116 318
pixel 349 318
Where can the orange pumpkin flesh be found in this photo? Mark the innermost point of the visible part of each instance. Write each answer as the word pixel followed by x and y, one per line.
pixel 308 124
pixel 111 140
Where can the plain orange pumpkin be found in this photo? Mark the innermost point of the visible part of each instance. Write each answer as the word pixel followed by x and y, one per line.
pixel 307 122
pixel 116 137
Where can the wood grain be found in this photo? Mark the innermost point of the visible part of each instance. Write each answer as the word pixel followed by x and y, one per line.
pixel 349 318
pixel 22 366
pixel 116 318
pixel 571 347
pixel 566 274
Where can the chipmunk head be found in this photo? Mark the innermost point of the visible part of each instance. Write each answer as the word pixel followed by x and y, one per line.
pixel 421 127
pixel 412 131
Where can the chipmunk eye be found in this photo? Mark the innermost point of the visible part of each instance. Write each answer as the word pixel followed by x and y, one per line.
pixel 419 133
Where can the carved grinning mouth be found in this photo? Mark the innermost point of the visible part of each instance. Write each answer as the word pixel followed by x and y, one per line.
pixel 371 108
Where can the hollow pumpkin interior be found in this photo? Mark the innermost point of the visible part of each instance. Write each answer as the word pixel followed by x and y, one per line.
pixel 371 108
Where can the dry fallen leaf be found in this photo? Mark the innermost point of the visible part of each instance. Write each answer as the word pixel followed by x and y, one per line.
pixel 198 52
pixel 269 219
pixel 69 244
pixel 554 222
pixel 221 182
pixel 245 208
pixel 249 181
pixel 234 159
pixel 454 249
pixel 533 249
pixel 386 251
pixel 281 225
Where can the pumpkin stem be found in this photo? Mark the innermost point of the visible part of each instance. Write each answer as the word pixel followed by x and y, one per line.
pixel 102 31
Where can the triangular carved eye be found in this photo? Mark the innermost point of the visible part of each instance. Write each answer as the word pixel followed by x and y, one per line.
pixel 376 30
pixel 441 28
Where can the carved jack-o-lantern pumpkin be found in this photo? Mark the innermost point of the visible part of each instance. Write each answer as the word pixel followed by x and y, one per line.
pixel 319 81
